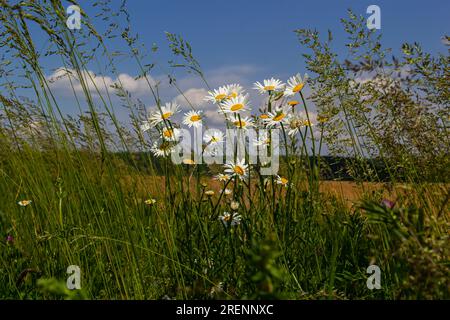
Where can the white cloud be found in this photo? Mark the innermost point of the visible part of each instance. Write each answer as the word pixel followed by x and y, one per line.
pixel 139 87
pixel 193 96
pixel 196 97
pixel 66 81
pixel 214 118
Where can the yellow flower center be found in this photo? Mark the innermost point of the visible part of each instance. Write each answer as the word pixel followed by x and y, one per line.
pixel 240 124
pixel 232 95
pixel 239 170
pixel 293 103
pixel 279 117
pixel 188 161
pixel 298 87
pixel 167 115
pixel 214 139
pixel 164 146
pixel 220 97
pixel 227 218
pixel 295 124
pixel 237 107
pixel 322 119
pixel 269 88
pixel 168 133
pixel 264 116
pixel 196 118
pixel 284 180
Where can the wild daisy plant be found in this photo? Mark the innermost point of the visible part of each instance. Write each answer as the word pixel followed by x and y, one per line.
pixel 249 139
pixel 249 147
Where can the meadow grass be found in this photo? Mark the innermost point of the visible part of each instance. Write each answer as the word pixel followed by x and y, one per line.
pixel 91 179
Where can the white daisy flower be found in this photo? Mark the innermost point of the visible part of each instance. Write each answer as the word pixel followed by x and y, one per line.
pixel 242 122
pixel 276 117
pixel 193 119
pixel 227 192
pixel 295 123
pixel 217 95
pixel 295 84
pixel 222 177
pixel 150 201
pixel 269 86
pixel 24 203
pixel 237 105
pixel 234 90
pixel 156 117
pixel 170 134
pixel 239 169
pixel 230 219
pixel 260 121
pixel 213 136
pixel 162 149
pixel 283 181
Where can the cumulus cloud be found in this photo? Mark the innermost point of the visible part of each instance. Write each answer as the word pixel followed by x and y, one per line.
pixel 196 98
pixel 192 96
pixel 66 80
pixel 214 118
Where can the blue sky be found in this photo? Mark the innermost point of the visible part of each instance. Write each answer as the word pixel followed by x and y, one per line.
pixel 247 41
pixel 260 33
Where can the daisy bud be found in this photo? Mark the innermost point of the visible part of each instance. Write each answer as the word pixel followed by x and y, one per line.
pixel 234 205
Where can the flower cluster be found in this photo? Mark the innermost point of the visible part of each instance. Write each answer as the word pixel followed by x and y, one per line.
pixel 233 103
pixel 278 112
